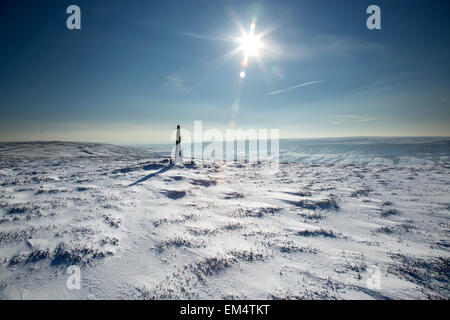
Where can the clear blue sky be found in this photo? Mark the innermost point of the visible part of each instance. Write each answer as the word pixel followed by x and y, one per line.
pixel 136 69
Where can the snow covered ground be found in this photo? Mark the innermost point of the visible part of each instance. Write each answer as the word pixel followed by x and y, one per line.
pixel 140 229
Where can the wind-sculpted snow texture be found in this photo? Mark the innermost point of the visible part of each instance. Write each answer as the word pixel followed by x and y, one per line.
pixel 141 229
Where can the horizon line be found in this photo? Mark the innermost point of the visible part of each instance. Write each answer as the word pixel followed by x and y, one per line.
pixel 169 142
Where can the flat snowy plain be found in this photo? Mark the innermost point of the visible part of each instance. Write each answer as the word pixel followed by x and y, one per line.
pixel 139 229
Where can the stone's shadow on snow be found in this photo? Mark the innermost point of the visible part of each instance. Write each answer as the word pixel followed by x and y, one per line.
pixel 372 293
pixel 164 169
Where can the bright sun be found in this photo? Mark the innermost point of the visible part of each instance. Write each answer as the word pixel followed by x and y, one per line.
pixel 250 45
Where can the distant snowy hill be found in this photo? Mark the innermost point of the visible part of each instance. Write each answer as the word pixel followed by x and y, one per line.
pixel 368 151
pixel 141 229
pixel 66 150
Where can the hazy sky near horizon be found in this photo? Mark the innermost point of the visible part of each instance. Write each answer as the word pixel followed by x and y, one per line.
pixel 136 69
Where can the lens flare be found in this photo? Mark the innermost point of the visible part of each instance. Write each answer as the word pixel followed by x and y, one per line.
pixel 242 74
pixel 277 71
pixel 244 62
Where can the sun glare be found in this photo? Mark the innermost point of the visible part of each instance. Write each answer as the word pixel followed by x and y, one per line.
pixel 250 44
